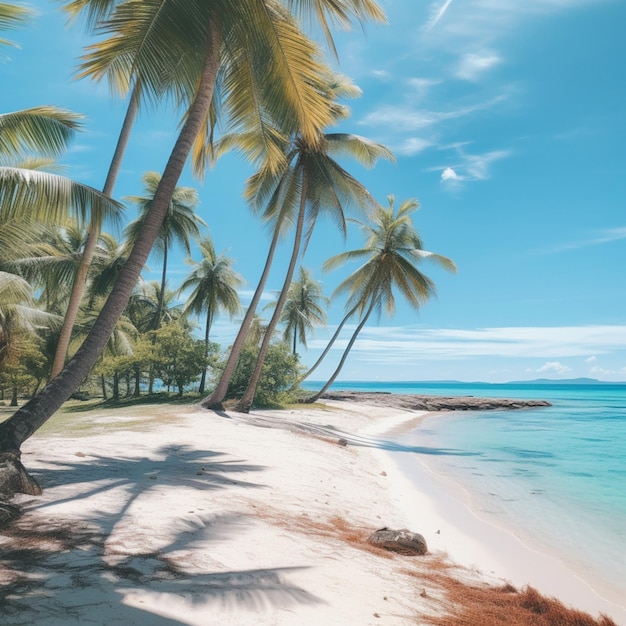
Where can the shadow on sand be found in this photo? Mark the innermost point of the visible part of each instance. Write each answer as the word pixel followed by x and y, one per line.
pixel 59 571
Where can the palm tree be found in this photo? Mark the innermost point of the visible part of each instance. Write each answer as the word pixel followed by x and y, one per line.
pixel 314 182
pixel 265 186
pixel 392 250
pixel 257 40
pixel 214 285
pixel 179 225
pixel 303 309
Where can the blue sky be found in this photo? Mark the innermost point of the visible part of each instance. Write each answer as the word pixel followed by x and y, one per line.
pixel 507 120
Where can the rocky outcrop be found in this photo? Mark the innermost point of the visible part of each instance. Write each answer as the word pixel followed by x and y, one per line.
pixel 433 403
pixel 402 541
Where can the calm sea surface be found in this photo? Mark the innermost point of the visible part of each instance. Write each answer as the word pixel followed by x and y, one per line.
pixel 556 476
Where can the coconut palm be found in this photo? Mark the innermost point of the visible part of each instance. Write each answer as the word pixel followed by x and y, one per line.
pixel 286 203
pixel 256 40
pixel 392 250
pixel 180 224
pixel 214 285
pixel 303 309
pixel 314 182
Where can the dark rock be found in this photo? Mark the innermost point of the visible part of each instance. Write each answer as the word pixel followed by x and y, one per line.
pixel 342 442
pixel 402 541
pixel 418 402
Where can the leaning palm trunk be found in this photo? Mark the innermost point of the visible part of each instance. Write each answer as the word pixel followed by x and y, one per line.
pixel 331 380
pixel 159 315
pixel 246 400
pixel 214 401
pixel 327 348
pixel 207 329
pixel 35 413
pixel 80 280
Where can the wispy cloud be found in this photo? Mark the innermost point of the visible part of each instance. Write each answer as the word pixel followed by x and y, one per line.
pixel 608 235
pixel 488 20
pixel 472 65
pixel 469 167
pixel 528 342
pixel 408 117
pixel 437 12
pixel 412 145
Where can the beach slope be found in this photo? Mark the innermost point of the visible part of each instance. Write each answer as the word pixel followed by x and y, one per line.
pixel 170 515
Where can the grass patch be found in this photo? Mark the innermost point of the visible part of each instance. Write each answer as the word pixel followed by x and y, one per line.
pixel 82 418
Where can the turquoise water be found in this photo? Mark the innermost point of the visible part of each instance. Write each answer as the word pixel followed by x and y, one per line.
pixel 556 475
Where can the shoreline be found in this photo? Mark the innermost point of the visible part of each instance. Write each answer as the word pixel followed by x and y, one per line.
pixel 487 544
pixel 168 515
pixel 484 544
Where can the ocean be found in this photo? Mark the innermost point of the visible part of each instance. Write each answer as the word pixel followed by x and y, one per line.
pixel 555 476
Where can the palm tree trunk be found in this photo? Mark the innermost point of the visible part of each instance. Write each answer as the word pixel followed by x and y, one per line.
pixel 137 377
pixel 116 387
pixel 209 318
pixel 80 280
pixel 331 380
pixel 246 400
pixel 159 314
pixel 214 401
pixel 22 424
pixel 161 302
pixel 328 346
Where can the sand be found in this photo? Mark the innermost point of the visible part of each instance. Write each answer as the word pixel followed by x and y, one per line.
pixel 176 515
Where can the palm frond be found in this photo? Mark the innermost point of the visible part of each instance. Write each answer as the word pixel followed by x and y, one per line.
pixel 12 16
pixel 342 13
pixel 364 150
pixel 45 130
pixel 48 197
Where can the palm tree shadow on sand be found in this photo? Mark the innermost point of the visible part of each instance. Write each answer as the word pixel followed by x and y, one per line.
pixel 56 570
pixel 328 431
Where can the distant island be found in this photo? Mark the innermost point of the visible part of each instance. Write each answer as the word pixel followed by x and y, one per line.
pixel 565 381
pixel 536 381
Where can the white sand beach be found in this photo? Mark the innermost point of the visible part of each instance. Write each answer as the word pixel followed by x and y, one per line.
pixel 177 515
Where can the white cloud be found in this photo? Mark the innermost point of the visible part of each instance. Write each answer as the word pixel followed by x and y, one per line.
pixel 554 366
pixel 449 174
pixel 412 146
pixel 473 65
pixel 591 359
